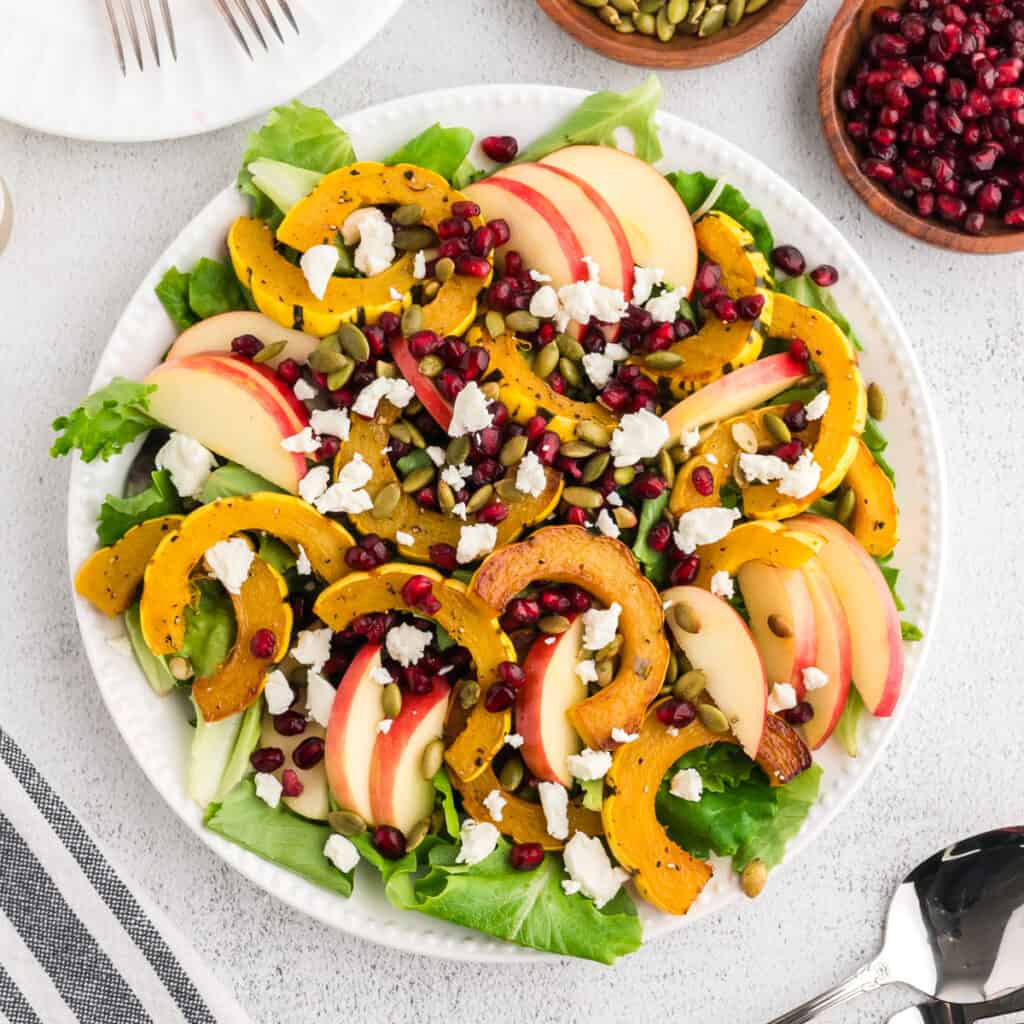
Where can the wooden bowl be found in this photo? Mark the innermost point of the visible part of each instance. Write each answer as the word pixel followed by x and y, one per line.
pixel 849 31
pixel 682 51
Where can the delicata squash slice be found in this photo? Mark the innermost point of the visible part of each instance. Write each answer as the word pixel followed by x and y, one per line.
pixel 167 588
pixel 607 569
pixel 369 438
pixel 876 516
pixel 767 542
pixel 467 622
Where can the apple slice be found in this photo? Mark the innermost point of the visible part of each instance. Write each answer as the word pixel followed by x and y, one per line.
pixel 649 209
pixel 352 733
pixel 216 334
pixel 313 801
pixel 735 393
pixel 551 688
pixel 778 597
pixel 399 794
pixel 426 391
pixel 875 635
pixel 239 409
pixel 723 649
pixel 834 656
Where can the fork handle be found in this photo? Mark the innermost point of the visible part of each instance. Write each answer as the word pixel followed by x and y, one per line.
pixel 867 979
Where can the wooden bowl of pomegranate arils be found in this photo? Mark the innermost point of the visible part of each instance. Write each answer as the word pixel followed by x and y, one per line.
pixel 922 103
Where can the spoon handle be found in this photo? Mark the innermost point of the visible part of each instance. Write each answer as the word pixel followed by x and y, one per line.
pixel 867 979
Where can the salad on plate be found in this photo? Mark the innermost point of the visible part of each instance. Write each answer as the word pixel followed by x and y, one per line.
pixel 511 518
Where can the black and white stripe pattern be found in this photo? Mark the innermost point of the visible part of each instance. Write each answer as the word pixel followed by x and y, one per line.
pixel 76 943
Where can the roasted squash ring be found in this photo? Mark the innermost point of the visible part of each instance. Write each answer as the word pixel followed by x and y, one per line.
pixel 768 542
pixel 466 621
pixel 110 578
pixel 876 516
pixel 607 569
pixel 167 590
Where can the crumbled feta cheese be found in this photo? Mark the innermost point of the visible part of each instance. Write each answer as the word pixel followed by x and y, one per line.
pixel 816 407
pixel 347 493
pixel 536 275
pixel 303 442
pixel 703 526
pixel 711 459
pixel 341 852
pixel 616 352
pixel 475 541
pixel 554 800
pixel 313 648
pixel 801 478
pixel 397 391
pixel 722 585
pixel 384 726
pixel 589 764
pixel 379 674
pixel 587 671
pixel 303 566
pixel 318 264
pixel 672 731
pixel 582 301
pixel 687 785
pixel 436 454
pixel 664 308
pixel 395 294
pixel 544 303
pixel 644 280
pixel 762 469
pixel 459 510
pixel 314 483
pixel 606 525
pixel 494 802
pixel 406 644
pixel 278 693
pixel 614 499
pixel 331 421
pixel 319 698
pixel 782 698
pixel 188 462
pixel 689 440
pixel 453 476
pixel 479 839
pixel 376 250
pixel 405 538
pixel 569 887
pixel 469 411
pixel 514 740
pixel 639 435
pixel 814 678
pixel 549 640
pixel 419 266
pixel 600 626
pixel 621 736
pixel 593 268
pixel 530 476
pixel 589 867
pixel 230 562
pixel 599 368
pixel 268 789
pixel 303 390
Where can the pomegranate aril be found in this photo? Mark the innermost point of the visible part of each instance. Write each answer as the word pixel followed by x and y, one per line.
pixel 685 571
pixel 1008 98
pixel 263 644
pixel 500 148
pixel 481 243
pixel 501 231
pixel 749 307
pixel 795 416
pixel 659 536
pixel 499 698
pixel 703 481
pixel 548 447
pixel 788 259
pixel 790 451
pixel 423 343
pixel 974 222
pixel 389 842
pixel 800 715
pixel 799 351
pixel 289 371
pixel 511 674
pixel 267 759
pixel 709 276
pixel 416 589
pixel 880 170
pixel 473 266
pixel 824 276
pixel 291 784
pixel 676 712
pixel 648 485
pixel 465 208
pixel 309 753
pixel 951 208
pixel 492 514
pixel 1014 218
pixel 525 856
pixel 247 345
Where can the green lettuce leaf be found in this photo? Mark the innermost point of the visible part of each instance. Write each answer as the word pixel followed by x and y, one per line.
pixel 910 632
pixel 876 442
pixel 805 291
pixel 276 554
pixel 593 794
pixel 232 480
pixel 446 795
pixel 654 563
pixel 209 629
pixel 694 187
pixel 106 421
pixel 849 720
pixel 442 150
pixel 172 291
pixel 283 184
pixel 277 835
pixel 596 119
pixel 793 804
pixel 154 666
pixel 214 289
pixel 118 515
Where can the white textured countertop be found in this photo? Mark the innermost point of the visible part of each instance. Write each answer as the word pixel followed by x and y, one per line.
pixel 90 219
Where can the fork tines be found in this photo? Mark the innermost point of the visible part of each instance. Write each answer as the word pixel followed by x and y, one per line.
pixel 132 25
pixel 249 18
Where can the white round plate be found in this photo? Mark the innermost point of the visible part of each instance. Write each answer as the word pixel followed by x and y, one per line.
pixel 155 729
pixel 59 73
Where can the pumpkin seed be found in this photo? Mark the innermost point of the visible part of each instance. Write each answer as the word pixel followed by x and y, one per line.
pixel 408 216
pixel 686 618
pixel 511 774
pixel 570 347
pixel 457 451
pixel 625 28
pixel 491 390
pixel 877 402
pixel 845 505
pixel 734 11
pixel 545 361
pixel 605 672
pixel 745 438
pixel 268 352
pixel 583 497
pixel 624 6
pixel 495 323
pixel 737 470
pixel 431 366
pixel 445 497
pixel 414 239
pixel 391 700
pixel 712 21
pixel 444 268
pixel 414 408
pixel 664 360
pixel 385 369
pixel 469 693
pixel 676 10
pixel 399 430
pixel 346 823
pixel 508 492
pixel 712 718
pixel 650 6
pixel 417 834
pixel 645 23
pixel 592 3
pixel 610 649
pixel 339 378
pixel 522 321
pixel 690 685
pixel 480 498
pixel 412 319
pixel 513 450
pixel 354 343
pixel 753 878
pixel 593 433
pixel 387 500
pixel 594 467
pixel 776 426
pixel 609 15
pixel 577 449
pixel 753 6
pixel 571 372
pixel 431 288
pixel 693 15
pixel 433 757
pixel 625 518
pixel 678 454
pixel 181 668
pixel 326 360
pixel 666 466
pixel 415 435
pixel 553 625
pixel 418 479
pixel 623 475
pixel 663 28
pixel 673 665
pixel 780 625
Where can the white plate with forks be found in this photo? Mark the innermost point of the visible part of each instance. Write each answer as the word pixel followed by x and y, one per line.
pixel 59 69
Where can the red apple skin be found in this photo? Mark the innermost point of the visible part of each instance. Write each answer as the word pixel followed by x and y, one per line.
pixel 426 391
pixel 216 333
pixel 834 656
pixel 874 622
pixel 551 688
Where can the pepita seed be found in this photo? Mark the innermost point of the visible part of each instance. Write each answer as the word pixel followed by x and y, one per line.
pixel 780 625
pixel 553 625
pixel 690 685
pixel 693 15
pixel 686 618
pixel 678 454
pixel 414 408
pixel 399 430
pixel 625 518
pixel 753 6
pixel 457 451
pixel 416 437
pixel 508 492
pixel 737 470
pixel 268 352
pixel 623 475
pixel 593 433
pixel 495 323
pixel 469 694
pixel 570 347
pixel 592 3
pixel 666 466
pixel 445 497
pixel 609 15
pixel 663 28
pixel 594 467
pixel 391 700
pixel 673 665
pixel 624 6
pixel 845 505
pixel 605 672
pixel 511 774
pixel 433 758
pixel 412 319
pixel 418 479
pixel 346 823
pixel 734 11
pixel 776 426
pixel 570 371
pixel 385 369
pixel 431 288
pixel 513 450
pixel 645 24
pixel 325 360
pixel 583 497
pixel 545 361
pixel 480 498
pixel 387 500
pixel 417 834
pixel 650 6
pixel 443 269
pixel 664 360
pixel 414 239
pixel 431 366
pixel 712 718
pixel 610 649
pixel 745 438
pixel 181 668
pixel 339 378
pixel 408 216
pixel 676 10
pixel 577 449
pixel 625 28
pixel 713 21
pixel 522 321
pixel 754 878
pixel 877 402
pixel 491 390
pixel 354 342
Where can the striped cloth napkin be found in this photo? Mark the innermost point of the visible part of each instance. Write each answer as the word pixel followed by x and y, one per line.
pixel 78 941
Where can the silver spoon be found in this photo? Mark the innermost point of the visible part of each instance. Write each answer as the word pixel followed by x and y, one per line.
pixel 1008 1010
pixel 955 929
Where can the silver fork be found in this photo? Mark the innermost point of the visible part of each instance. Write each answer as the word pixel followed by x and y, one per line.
pixel 128 12
pixel 250 19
